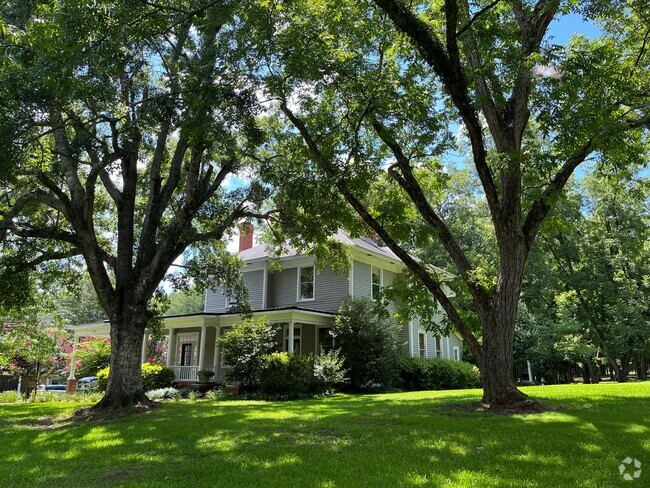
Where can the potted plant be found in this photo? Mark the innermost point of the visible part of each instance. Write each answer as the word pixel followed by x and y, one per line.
pixel 205 375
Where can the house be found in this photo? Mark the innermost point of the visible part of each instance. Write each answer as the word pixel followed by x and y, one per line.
pixel 299 298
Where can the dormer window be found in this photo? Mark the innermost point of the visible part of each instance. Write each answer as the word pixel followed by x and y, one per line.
pixel 306 283
pixel 376 282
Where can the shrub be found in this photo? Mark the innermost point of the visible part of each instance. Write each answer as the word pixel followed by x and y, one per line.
pixel 219 395
pixel 368 340
pixel 329 369
pixel 10 397
pixel 243 348
pixel 93 356
pixel 283 373
pixel 154 376
pixel 163 394
pixel 438 374
pixel 193 395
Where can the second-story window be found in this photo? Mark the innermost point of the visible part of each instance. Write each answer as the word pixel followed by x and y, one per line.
pixel 376 282
pixel 306 283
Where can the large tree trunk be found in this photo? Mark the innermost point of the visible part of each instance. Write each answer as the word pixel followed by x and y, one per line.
pixel 498 322
pixel 124 390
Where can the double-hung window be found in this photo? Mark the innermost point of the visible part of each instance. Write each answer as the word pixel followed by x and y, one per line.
pixel 306 277
pixel 376 282
pixel 422 347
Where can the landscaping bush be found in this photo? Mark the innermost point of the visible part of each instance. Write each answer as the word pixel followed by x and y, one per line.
pixel 163 394
pixel 93 356
pixel 10 397
pixel 437 374
pixel 368 340
pixel 283 373
pixel 329 369
pixel 243 348
pixel 154 376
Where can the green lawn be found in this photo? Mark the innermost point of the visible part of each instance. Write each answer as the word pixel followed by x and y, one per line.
pixel 404 439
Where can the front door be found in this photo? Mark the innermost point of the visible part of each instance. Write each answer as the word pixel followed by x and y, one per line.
pixel 186 354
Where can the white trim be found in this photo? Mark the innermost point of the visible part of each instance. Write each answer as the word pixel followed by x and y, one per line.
pixel 448 349
pixel 313 288
pixel 410 338
pixel 456 350
pixel 381 281
pixel 422 333
pixel 265 281
pixel 351 280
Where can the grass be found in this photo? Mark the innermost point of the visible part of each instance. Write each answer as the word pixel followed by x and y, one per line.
pixel 402 439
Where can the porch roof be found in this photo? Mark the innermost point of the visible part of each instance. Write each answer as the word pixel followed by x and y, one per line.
pixel 304 314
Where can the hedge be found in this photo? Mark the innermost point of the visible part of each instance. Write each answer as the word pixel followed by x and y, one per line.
pixel 154 376
pixel 437 374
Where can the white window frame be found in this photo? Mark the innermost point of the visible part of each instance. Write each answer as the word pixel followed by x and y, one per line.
pixel 381 281
pixel 456 353
pixel 438 341
pixel 298 297
pixel 285 342
pixel 424 342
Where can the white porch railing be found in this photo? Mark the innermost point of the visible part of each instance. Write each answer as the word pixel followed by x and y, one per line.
pixel 185 373
pixel 189 373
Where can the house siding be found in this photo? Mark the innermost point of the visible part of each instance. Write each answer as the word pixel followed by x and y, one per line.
pixel 330 289
pixel 215 300
pixel 362 278
pixel 255 282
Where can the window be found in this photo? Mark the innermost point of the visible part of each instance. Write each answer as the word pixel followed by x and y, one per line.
pixel 456 354
pixel 296 339
pixel 376 282
pixel 186 354
pixel 438 347
pixel 325 340
pixel 224 331
pixel 306 283
pixel 422 345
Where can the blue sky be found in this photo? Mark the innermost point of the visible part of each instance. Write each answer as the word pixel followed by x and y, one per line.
pixel 563 28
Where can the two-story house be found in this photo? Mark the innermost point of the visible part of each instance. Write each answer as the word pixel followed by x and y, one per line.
pixel 299 298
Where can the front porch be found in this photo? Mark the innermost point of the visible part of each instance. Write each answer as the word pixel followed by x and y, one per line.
pixel 192 339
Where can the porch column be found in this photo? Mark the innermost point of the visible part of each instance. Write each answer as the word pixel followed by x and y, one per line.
pixel 202 341
pixel 71 383
pixel 291 332
pixel 171 347
pixel 145 347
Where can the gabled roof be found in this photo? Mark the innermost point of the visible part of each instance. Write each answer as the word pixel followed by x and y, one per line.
pixel 364 244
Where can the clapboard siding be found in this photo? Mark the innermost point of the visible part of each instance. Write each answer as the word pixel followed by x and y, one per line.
pixel 215 300
pixel 282 288
pixel 330 289
pixel 404 339
pixel 362 278
pixel 255 282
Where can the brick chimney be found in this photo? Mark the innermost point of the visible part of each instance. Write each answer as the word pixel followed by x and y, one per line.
pixel 246 230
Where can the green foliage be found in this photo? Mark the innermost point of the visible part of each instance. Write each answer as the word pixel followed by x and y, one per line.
pixel 368 340
pixel 329 369
pixel 102 378
pixel 92 356
pixel 243 348
pixel 154 377
pixel 185 302
pixel 283 373
pixel 437 374
pixel 33 349
pixel 10 397
pixel 163 394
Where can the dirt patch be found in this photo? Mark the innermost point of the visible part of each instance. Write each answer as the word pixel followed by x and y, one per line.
pixel 525 407
pixel 43 423
pixel 86 414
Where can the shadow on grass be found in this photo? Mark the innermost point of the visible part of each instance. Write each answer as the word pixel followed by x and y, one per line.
pixel 373 440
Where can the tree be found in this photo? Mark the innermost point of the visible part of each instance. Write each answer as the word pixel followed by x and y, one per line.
pixel 123 125
pixel 368 341
pixel 33 349
pixel 371 92
pixel 602 263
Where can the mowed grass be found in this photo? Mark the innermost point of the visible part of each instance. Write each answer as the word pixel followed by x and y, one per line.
pixel 402 439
